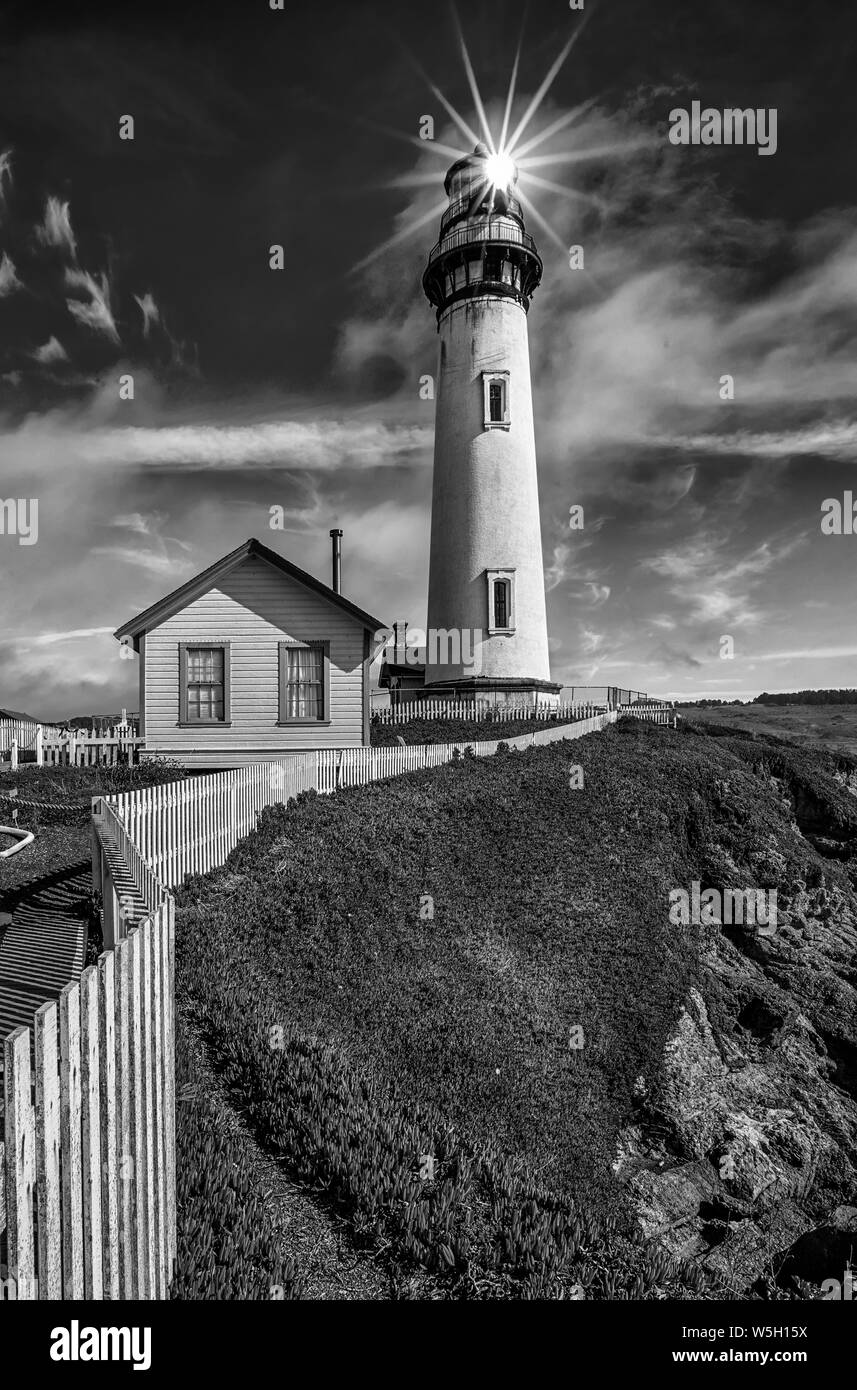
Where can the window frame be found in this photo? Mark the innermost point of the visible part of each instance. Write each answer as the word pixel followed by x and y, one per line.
pixel 493 577
pixel 285 720
pixel 501 379
pixel 205 644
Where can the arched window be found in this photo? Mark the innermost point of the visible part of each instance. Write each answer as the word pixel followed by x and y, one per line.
pixel 501 603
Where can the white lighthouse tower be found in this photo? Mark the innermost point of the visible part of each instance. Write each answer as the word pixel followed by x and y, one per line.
pixel 487 630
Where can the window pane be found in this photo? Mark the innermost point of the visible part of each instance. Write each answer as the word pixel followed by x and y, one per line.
pixel 304 688
pixel 205 664
pixel 495 400
pixel 205 696
pixel 501 609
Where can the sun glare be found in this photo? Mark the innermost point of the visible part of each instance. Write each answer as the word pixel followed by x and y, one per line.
pixel 510 159
pixel 500 169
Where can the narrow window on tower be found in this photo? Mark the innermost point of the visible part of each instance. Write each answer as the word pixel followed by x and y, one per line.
pixel 495 387
pixel 501 601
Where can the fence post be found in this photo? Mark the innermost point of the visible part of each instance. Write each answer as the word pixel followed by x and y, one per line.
pixel 14 754
pixel 39 751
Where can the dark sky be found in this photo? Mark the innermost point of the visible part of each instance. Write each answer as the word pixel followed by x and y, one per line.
pixel 252 387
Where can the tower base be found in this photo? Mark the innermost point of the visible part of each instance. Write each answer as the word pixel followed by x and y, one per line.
pixel 518 691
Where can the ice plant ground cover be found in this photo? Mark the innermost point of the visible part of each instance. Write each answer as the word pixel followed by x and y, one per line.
pixel 441 1000
pixel 455 730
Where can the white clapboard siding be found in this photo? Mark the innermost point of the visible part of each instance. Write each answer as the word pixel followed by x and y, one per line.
pixel 254 608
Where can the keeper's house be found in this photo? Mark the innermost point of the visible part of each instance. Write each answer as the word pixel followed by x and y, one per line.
pixel 252 659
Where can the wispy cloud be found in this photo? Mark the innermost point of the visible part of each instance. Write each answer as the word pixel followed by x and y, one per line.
pixel 275 444
pixel 51 351
pixel 834 440
pixel 55 230
pixel 9 281
pixel 94 312
pixel 51 639
pixel 149 310
pixel 5 174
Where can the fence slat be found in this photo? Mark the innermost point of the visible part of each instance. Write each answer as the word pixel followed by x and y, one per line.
pixel 148 1147
pixel 70 1107
pixel 135 1027
pixel 107 1117
pixel 48 1134
pixel 20 1162
pixel 128 1284
pixel 90 1069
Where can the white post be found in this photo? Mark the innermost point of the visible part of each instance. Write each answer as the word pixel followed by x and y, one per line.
pixel 14 754
pixel 39 752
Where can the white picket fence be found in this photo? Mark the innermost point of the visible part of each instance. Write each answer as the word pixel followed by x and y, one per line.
pixel 20 733
pixel 191 827
pixel 405 713
pixel 653 714
pixel 88 1158
pixel 52 746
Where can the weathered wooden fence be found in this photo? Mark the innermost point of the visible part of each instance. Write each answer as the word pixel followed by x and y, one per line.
pixel 89 1125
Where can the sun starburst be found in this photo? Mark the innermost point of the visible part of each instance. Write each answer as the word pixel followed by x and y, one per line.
pixel 509 159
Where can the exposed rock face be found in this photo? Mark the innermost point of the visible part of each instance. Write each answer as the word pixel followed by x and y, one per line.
pixel 743 1155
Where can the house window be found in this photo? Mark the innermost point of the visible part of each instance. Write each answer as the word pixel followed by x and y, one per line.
pixel 495 387
pixel 304 682
pixel 204 683
pixel 501 601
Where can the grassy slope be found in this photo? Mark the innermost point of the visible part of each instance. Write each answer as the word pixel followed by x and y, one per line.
pixel 454 730
pixel 550 913
pixel 473 1010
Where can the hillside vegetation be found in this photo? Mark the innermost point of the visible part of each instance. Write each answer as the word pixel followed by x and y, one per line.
pixel 832 726
pixel 454 730
pixel 454 1002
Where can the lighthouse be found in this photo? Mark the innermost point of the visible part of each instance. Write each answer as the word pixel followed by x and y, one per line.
pixel 487 628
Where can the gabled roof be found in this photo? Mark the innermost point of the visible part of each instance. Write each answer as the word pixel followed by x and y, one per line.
pixel 194 588
pixel 19 717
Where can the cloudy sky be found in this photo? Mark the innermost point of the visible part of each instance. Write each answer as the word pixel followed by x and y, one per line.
pixel 300 388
